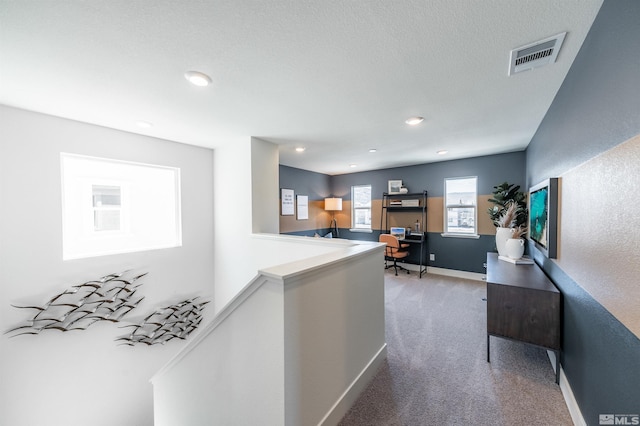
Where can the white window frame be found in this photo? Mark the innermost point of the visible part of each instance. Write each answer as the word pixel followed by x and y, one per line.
pixel 354 226
pixel 150 206
pixel 447 206
pixel 122 209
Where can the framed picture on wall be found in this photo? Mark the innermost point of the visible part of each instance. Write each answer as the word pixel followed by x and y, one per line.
pixel 288 208
pixel 302 204
pixel 394 186
pixel 543 216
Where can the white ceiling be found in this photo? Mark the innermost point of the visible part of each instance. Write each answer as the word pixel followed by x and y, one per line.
pixel 335 76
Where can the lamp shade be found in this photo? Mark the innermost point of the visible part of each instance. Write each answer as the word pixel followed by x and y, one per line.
pixel 333 204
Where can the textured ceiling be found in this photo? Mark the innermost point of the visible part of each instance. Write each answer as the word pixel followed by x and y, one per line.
pixel 337 77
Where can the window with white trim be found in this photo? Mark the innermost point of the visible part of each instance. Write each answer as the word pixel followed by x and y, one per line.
pixel 112 206
pixel 361 207
pixel 460 210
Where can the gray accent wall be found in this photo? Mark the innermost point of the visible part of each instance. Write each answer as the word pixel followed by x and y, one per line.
pixel 596 110
pixel 451 253
pixel 316 185
pixel 461 254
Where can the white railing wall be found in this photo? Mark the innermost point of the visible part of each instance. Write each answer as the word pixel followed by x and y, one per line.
pixel 295 347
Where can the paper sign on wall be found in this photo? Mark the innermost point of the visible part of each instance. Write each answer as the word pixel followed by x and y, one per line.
pixel 288 207
pixel 303 206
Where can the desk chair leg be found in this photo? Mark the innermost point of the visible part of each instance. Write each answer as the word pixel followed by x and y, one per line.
pixel 396 267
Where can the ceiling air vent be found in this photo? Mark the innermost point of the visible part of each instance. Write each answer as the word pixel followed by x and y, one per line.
pixel 536 54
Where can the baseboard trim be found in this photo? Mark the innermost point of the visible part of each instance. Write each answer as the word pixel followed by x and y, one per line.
pixel 444 271
pixel 567 393
pixel 349 397
pixel 455 273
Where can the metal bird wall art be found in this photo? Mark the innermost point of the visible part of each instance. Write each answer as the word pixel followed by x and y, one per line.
pixel 109 298
pixel 172 322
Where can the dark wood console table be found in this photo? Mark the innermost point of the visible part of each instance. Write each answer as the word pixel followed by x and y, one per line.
pixel 523 305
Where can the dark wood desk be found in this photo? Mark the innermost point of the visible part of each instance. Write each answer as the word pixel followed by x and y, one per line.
pixel 523 305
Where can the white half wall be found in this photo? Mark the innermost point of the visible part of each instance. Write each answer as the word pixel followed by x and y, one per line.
pixel 334 331
pixel 295 347
pixel 234 375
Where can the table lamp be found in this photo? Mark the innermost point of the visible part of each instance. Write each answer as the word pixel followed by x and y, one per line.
pixel 332 205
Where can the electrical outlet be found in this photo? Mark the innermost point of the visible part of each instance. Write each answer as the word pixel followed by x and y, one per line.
pixel 432 256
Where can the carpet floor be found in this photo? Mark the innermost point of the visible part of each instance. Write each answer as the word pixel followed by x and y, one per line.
pixel 436 371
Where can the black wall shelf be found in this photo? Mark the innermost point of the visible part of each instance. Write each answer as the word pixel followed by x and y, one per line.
pixel 417 239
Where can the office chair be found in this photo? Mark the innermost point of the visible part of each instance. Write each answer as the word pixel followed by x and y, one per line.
pixel 393 251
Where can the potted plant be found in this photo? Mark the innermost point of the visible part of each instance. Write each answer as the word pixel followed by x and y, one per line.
pixel 503 195
pixel 508 213
pixel 505 225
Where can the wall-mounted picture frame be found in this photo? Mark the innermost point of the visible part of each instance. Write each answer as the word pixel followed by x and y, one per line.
pixel 302 207
pixel 394 186
pixel 287 205
pixel 543 217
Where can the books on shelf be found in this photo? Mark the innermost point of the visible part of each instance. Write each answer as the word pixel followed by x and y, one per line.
pixel 524 260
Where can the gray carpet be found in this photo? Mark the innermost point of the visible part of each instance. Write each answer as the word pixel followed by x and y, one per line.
pixel 436 372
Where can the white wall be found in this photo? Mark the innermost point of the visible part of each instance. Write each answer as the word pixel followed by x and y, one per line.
pixel 245 180
pixel 265 181
pixel 232 218
pixel 83 377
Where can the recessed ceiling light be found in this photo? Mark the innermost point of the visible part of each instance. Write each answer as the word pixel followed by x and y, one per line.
pixel 373 150
pixel 353 165
pixel 414 120
pixel 300 149
pixel 197 78
pixel 144 124
pixel 442 152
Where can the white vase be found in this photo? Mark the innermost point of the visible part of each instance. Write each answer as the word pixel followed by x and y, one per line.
pixel 502 235
pixel 514 247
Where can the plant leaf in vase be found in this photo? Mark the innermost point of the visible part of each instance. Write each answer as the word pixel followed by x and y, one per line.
pixel 509 216
pixel 519 231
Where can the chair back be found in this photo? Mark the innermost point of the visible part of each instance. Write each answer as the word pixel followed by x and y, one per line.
pixel 393 245
pixel 390 240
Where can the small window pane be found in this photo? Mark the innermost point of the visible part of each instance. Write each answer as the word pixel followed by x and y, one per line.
pixel 106 220
pixel 106 195
pixel 362 196
pixel 461 220
pixel 461 191
pixel 106 207
pixel 363 218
